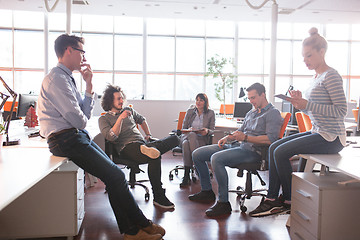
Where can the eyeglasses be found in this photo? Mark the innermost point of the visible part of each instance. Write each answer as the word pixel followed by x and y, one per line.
pixel 80 50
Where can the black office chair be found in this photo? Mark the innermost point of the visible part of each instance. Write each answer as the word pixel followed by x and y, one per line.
pixel 252 169
pixel 108 148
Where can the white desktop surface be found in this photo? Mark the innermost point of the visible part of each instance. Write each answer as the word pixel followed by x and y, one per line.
pixel 346 161
pixel 21 168
pixel 24 165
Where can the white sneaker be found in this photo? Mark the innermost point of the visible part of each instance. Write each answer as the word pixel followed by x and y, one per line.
pixel 151 152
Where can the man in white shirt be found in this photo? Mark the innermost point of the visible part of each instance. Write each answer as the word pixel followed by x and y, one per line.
pixel 63 115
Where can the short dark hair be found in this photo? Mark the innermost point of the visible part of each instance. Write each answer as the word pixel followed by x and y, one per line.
pixel 66 40
pixel 258 87
pixel 206 100
pixel 107 99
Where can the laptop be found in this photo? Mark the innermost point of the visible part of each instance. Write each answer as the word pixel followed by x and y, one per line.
pixel 241 109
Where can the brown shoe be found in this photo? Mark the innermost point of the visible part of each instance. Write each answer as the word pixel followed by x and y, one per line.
pixel 141 235
pixel 151 152
pixel 154 229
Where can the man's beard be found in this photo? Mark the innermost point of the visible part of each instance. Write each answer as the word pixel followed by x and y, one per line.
pixel 119 109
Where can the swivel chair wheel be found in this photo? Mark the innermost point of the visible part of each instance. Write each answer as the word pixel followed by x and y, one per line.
pixel 243 209
pixel 171 176
pixel 176 172
pixel 147 196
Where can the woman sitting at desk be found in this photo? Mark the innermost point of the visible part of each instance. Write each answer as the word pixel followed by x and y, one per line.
pixel 325 103
pixel 198 126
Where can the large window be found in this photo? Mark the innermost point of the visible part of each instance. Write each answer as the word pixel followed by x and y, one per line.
pixel 165 59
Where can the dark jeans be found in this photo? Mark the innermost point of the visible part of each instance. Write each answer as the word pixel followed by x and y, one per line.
pixel 132 152
pixel 282 150
pixel 79 148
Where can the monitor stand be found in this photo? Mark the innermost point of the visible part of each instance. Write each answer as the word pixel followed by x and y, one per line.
pixel 11 142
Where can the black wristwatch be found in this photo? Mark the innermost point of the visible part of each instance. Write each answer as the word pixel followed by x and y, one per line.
pixel 246 138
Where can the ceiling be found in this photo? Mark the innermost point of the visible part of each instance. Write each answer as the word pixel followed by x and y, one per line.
pixel 314 11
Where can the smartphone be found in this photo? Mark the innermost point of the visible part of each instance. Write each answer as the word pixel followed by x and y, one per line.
pixel 282 96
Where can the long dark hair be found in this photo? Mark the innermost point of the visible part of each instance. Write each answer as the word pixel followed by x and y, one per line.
pixel 206 100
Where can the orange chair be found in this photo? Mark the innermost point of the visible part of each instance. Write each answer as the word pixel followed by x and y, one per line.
pixel 356 113
pixel 304 122
pixel 229 109
pixel 252 168
pixel 286 116
pixel 180 121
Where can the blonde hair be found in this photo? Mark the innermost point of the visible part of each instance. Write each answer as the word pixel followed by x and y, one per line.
pixel 315 40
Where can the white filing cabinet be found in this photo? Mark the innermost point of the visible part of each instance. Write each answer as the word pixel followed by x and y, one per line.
pixel 52 207
pixel 324 209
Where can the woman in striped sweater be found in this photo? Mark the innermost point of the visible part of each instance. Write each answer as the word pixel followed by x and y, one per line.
pixel 326 105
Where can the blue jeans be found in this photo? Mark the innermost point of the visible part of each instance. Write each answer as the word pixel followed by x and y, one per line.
pixel 230 156
pixel 79 148
pixel 282 150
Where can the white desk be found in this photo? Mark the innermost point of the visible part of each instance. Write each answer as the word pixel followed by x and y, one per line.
pixel 323 203
pixel 21 168
pixel 41 195
pixel 346 161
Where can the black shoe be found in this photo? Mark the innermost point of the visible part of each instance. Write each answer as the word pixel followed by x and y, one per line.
pixel 220 208
pixel 287 206
pixel 203 196
pixel 162 201
pixel 185 182
pixel 268 207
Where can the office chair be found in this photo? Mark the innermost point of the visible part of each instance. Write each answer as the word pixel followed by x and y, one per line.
pixel 180 121
pixel 229 109
pixel 134 168
pixel 253 168
pixel 304 124
pixel 303 121
pixel 178 149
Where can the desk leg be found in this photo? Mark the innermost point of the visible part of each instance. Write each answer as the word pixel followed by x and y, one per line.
pixel 309 165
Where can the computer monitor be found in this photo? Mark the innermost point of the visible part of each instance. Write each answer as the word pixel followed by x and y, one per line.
pixel 25 101
pixel 288 107
pixel 241 109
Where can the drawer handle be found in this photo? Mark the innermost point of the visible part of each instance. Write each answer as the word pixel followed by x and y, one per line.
pixel 303 216
pixel 304 194
pixel 298 234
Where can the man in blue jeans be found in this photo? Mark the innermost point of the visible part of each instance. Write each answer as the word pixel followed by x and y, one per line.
pixel 261 127
pixel 63 115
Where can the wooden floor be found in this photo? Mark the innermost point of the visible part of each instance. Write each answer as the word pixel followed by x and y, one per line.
pixel 188 220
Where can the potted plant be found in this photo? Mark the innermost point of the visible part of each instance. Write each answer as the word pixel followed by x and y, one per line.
pixel 216 65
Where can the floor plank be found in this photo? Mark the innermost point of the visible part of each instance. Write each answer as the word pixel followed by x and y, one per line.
pixel 188 220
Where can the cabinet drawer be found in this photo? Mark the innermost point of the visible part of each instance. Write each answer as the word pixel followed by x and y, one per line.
pixel 306 193
pixel 305 216
pixel 298 232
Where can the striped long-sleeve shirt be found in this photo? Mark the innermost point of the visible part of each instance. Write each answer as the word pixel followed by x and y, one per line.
pixel 327 105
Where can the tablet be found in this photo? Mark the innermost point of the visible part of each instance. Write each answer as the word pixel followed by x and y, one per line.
pixel 282 96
